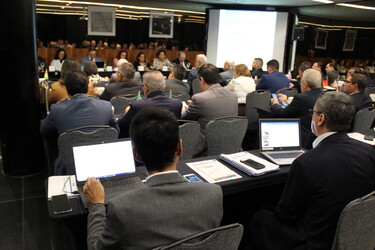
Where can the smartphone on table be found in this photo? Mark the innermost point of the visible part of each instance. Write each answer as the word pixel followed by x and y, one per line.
pixel 253 164
pixel 61 204
pixel 192 178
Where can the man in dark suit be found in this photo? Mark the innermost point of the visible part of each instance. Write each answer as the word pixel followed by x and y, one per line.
pixel 200 60
pixel 274 80
pixel 76 111
pixel 321 182
pixel 167 209
pixel 257 66
pixel 153 86
pixel 214 102
pixel 228 72
pixel 181 59
pixel 354 86
pixel 92 56
pixel 301 104
pixel 124 85
pixel 175 81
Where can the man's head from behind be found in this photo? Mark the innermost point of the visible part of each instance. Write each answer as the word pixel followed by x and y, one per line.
pixel 126 71
pixel 76 82
pixel 200 60
pixel 153 81
pixel 272 65
pixel 229 64
pixel 178 72
pixel 155 136
pixel 208 74
pixel 333 111
pixel 304 66
pixel 311 79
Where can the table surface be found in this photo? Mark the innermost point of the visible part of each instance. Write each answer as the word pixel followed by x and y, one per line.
pixel 230 187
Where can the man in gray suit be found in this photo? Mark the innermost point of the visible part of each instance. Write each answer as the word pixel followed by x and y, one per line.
pixel 214 102
pixel 175 82
pixel 227 74
pixel 167 209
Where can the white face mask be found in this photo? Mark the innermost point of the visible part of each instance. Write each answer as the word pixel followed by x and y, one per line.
pixel 313 127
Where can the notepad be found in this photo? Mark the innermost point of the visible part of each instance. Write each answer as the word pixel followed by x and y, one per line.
pixel 62 184
pixel 213 171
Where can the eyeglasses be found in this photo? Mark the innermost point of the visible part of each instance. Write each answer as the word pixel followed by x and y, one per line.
pixel 346 81
pixel 312 111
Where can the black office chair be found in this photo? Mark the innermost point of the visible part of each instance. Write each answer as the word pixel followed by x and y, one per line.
pixel 189 133
pixel 119 103
pixel 225 238
pixel 364 121
pixel 259 99
pixel 289 92
pixel 196 87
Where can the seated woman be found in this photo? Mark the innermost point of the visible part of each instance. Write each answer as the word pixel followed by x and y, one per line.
pixel 141 61
pixel 161 61
pixel 59 58
pixel 58 91
pixel 122 54
pixel 91 71
pixel 242 82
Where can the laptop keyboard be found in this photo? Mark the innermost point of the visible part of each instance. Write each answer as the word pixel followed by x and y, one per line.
pixel 125 184
pixel 284 155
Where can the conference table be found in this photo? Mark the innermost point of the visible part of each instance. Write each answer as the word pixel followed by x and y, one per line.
pixel 230 188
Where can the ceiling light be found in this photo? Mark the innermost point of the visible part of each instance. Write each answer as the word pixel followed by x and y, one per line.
pixel 324 1
pixel 356 6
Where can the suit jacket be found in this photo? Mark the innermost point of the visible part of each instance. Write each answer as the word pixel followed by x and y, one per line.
pixel 177 86
pixel 273 82
pixel 213 103
pixel 299 108
pixel 258 73
pixel 120 88
pixel 361 101
pixel 186 61
pixel 225 76
pixel 86 58
pixel 167 209
pixel 321 182
pixel 155 99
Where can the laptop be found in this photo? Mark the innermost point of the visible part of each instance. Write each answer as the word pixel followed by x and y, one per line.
pixel 280 139
pixel 111 162
pixel 99 64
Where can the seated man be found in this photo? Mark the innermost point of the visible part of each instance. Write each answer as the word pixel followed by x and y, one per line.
pixel 301 104
pixel 181 59
pixel 76 111
pixel 167 209
pixel 124 85
pixel 227 74
pixel 303 66
pixel 257 66
pixel 200 60
pixel 213 102
pixel 354 86
pixel 92 56
pixel 153 86
pixel 175 83
pixel 321 182
pixel 274 80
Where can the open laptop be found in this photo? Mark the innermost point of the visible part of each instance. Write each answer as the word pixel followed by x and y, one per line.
pixel 280 139
pixel 111 162
pixel 99 64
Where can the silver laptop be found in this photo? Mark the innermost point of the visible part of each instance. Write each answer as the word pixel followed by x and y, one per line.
pixel 280 139
pixel 111 162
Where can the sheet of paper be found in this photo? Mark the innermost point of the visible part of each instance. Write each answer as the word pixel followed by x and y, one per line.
pixel 213 171
pixel 360 137
pixel 62 184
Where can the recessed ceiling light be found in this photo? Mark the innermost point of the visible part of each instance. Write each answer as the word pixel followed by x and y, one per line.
pixel 356 6
pixel 324 1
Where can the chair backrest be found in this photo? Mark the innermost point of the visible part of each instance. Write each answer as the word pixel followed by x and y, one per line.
pixel 189 133
pixel 224 237
pixel 225 135
pixel 256 99
pixel 183 97
pixel 369 90
pixel 364 121
pixel 196 87
pixel 356 225
pixel 94 134
pixel 289 92
pixel 119 103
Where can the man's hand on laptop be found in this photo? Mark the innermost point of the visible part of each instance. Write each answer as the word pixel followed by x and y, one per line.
pixel 94 191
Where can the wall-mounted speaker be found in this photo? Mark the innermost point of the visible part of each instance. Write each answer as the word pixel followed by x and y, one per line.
pixel 298 33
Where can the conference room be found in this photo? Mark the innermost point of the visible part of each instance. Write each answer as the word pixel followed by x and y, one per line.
pixel 291 32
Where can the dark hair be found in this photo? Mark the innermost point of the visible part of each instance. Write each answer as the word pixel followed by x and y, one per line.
pixel 305 65
pixel 90 68
pixel 320 64
pixel 155 135
pixel 139 54
pixel 119 54
pixel 57 53
pixel 69 65
pixel 179 71
pixel 332 76
pixel 209 73
pixel 338 109
pixel 360 80
pixel 273 64
pixel 332 65
pixel 158 53
pixel 76 82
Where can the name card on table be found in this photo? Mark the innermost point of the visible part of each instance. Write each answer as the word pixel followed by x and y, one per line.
pixel 141 68
pixel 165 68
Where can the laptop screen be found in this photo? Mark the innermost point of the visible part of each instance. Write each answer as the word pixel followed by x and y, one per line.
pixel 103 160
pixel 99 64
pixel 279 134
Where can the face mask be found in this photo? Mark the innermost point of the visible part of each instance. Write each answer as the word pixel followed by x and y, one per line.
pixel 313 127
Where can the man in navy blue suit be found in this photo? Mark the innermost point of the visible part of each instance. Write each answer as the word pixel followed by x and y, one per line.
pixel 92 56
pixel 153 86
pixel 274 80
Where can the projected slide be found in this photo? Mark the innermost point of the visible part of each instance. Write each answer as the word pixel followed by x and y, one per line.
pixel 243 35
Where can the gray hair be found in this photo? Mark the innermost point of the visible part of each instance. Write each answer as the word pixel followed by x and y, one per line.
pixel 154 80
pixel 313 78
pixel 179 71
pixel 231 63
pixel 338 109
pixel 127 70
pixel 201 58
pixel 259 61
